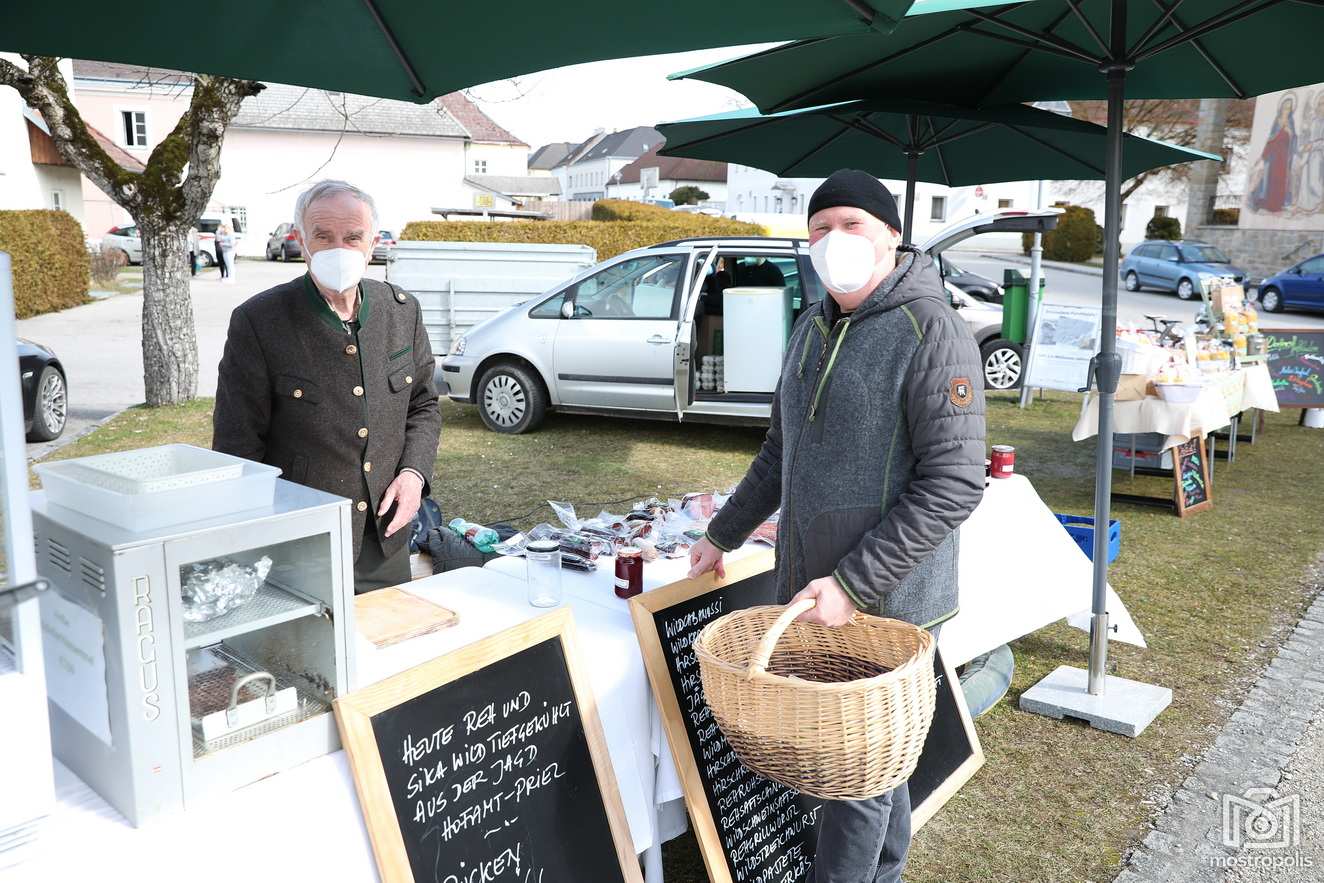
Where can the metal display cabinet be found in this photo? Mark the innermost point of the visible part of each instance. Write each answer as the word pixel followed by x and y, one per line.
pixel 139 744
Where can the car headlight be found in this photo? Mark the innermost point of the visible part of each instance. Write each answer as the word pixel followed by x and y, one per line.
pixel 457 348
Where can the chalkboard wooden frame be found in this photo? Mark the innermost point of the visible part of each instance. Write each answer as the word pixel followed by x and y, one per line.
pixel 1269 334
pixel 642 609
pixel 354 713
pixel 1179 498
pixel 928 807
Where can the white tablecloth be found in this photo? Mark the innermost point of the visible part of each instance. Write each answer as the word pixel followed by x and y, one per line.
pixel 1019 571
pixel 1222 397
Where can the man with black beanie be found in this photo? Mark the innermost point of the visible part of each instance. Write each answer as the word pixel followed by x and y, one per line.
pixel 875 456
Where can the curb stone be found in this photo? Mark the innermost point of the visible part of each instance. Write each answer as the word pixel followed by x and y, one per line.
pixel 1256 748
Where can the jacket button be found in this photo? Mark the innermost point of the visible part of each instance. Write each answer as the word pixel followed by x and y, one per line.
pixel 363 432
pixel 400 296
pixel 367 467
pixel 408 379
pixel 298 393
pixel 361 506
pixel 358 390
pixel 351 350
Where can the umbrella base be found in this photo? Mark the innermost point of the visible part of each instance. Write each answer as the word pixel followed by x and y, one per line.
pixel 1126 707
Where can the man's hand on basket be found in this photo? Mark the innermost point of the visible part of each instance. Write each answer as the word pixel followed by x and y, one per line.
pixel 704 556
pixel 834 607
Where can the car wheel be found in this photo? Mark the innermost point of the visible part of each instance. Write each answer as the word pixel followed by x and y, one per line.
pixel 510 400
pixel 270 256
pixel 205 260
pixel 1132 281
pixel 1185 290
pixel 1002 364
pixel 285 254
pixel 1272 300
pixel 50 412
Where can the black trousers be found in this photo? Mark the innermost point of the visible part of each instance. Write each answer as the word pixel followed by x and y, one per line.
pixel 220 262
pixel 374 569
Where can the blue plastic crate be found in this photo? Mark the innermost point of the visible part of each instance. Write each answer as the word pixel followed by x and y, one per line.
pixel 1081 528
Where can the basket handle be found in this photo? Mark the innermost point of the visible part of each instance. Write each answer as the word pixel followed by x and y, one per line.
pixel 763 652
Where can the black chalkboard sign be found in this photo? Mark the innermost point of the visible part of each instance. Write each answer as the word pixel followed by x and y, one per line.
pixel 1191 473
pixel 952 753
pixel 1296 366
pixel 750 828
pixel 489 764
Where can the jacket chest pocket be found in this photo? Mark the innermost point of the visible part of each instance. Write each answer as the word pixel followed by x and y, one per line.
pixel 296 390
pixel 401 379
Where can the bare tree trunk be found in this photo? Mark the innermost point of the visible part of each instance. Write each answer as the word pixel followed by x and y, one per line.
pixel 170 342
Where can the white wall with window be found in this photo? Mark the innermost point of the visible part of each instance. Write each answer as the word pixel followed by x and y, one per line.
pixel 62 187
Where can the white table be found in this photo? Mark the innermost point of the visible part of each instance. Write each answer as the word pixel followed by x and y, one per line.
pixel 1019 571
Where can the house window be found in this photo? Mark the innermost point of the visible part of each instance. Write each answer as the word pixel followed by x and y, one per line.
pixel 938 209
pixel 57 200
pixel 1160 211
pixel 1004 203
pixel 480 167
pixel 135 127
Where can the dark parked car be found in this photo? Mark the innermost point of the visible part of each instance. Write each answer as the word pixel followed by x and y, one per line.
pixel 1301 287
pixel 283 245
pixel 1176 266
pixel 45 391
pixel 972 284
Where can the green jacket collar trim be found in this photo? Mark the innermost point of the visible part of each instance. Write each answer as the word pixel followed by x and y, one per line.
pixel 328 315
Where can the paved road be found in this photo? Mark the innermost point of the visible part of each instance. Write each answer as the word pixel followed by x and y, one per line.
pixel 1083 288
pixel 100 344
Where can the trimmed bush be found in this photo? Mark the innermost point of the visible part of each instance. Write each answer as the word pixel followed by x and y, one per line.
pixel 618 226
pixel 1163 228
pixel 1077 237
pixel 1229 217
pixel 50 260
pixel 688 194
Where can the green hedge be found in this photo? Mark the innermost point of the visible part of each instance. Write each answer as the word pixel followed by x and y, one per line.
pixel 1077 237
pixel 619 226
pixel 51 266
pixel 1166 227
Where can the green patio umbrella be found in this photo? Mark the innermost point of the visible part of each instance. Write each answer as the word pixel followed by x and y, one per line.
pixel 1060 49
pixel 916 141
pixel 417 49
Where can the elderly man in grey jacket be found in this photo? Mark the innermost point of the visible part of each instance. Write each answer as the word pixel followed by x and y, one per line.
pixel 875 456
pixel 329 377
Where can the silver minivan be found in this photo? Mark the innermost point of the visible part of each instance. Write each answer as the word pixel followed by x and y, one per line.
pixel 628 336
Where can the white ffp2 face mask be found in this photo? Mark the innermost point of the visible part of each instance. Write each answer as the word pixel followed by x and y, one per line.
pixel 338 268
pixel 844 261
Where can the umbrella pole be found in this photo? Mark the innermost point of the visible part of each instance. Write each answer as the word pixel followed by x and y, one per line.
pixel 1107 371
pixel 912 176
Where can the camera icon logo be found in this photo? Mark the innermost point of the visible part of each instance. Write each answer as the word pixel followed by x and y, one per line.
pixel 1255 820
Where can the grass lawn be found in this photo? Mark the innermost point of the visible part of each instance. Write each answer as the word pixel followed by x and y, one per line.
pixel 1213 593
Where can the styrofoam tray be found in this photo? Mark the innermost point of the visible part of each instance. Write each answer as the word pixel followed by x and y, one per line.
pixel 153 470
pixel 1179 393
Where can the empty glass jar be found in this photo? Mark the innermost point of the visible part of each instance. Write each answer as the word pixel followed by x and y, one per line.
pixel 543 559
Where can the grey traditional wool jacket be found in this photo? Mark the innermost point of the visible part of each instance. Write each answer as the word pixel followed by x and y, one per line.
pixel 876 450
pixel 296 390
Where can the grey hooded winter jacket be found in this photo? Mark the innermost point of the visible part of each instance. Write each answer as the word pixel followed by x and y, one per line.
pixel 876 452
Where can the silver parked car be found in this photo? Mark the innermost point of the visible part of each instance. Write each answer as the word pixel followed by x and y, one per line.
pixel 639 334
pixel 124 239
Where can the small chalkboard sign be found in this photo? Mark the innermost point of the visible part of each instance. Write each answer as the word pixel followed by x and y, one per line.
pixel 1296 366
pixel 750 828
pixel 489 763
pixel 1191 473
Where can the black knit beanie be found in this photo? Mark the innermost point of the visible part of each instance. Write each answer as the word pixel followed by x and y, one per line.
pixel 859 190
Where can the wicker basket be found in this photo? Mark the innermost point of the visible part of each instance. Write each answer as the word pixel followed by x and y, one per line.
pixel 838 713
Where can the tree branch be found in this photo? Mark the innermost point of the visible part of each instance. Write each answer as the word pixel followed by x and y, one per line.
pixel 215 103
pixel 42 86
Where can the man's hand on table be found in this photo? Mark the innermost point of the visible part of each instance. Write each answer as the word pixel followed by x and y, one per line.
pixel 704 556
pixel 834 607
pixel 406 492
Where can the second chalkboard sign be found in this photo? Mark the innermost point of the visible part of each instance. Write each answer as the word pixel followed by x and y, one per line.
pixel 489 764
pixel 1296 366
pixel 1191 473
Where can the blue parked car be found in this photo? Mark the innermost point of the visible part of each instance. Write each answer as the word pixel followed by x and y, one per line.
pixel 1301 286
pixel 1176 266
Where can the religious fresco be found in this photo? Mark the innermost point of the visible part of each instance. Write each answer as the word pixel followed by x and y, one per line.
pixel 1285 187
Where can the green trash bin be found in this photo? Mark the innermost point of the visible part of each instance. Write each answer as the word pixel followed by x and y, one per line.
pixel 1015 305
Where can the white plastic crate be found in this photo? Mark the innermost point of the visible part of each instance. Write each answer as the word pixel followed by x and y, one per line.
pixel 154 487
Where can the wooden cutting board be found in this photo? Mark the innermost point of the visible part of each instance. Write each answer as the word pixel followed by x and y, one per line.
pixel 389 616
